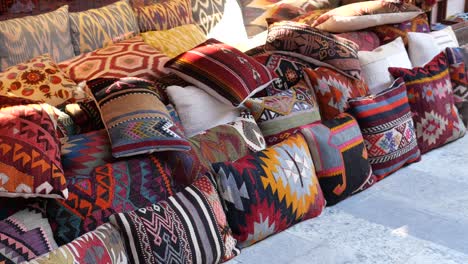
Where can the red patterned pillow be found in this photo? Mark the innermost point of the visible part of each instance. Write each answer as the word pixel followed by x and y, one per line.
pixel 432 104
pixel 333 90
pixel 366 40
pixel 222 71
pixel 30 152
pixel 389 32
pixel 129 58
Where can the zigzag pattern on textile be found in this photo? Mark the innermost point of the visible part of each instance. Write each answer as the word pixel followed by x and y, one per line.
pixel 164 15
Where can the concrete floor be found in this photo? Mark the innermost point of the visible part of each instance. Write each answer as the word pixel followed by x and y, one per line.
pixel 417 215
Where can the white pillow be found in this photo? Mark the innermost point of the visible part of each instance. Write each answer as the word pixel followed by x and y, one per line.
pixel 199 111
pixel 375 64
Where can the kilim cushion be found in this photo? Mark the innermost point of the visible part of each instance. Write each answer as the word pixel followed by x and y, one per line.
pixel 390 32
pixel 332 90
pixel 196 230
pixel 85 115
pixel 129 58
pixel 38 79
pixel 103 245
pixel 175 119
pixel 222 71
pixel 459 78
pixel 25 236
pixel 98 28
pixel 30 152
pixel 25 38
pixel 268 191
pixel 164 15
pixel 285 110
pixel 322 47
pixel 136 120
pixel 112 188
pixel 366 40
pixel 388 130
pixel 431 100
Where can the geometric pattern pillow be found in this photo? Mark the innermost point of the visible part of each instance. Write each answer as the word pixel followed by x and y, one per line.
pixel 388 130
pixel 30 153
pixel 269 191
pixel 459 78
pixel 129 58
pixel 431 100
pixel 164 15
pixel 333 90
pixel 189 227
pixel 313 44
pixel 25 236
pixel 136 120
pixel 390 32
pixel 38 79
pixel 366 40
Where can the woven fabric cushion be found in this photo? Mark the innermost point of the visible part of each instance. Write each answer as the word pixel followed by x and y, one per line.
pixel 25 38
pixel 196 229
pixel 25 236
pixel 332 90
pixel 98 28
pixel 164 15
pixel 30 160
pixel 208 13
pixel 103 245
pixel 268 191
pixel 285 110
pixel 38 79
pixel 388 33
pixel 432 104
pixel 222 71
pixel 329 49
pixel 136 120
pixel 459 79
pixel 366 40
pixel 175 41
pixel 388 130
pixel 129 58
pixel 364 15
pixel 85 115
pixel 121 186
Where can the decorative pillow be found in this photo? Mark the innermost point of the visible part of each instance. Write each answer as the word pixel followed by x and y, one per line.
pixel 38 79
pixel 25 236
pixel 327 48
pixel 366 40
pixel 25 38
pixel 208 13
pixel 121 186
pixel 362 15
pixel 176 40
pixel 388 33
pixel 164 15
pixel 459 79
pixel 196 228
pixel 136 120
pixel 175 119
pixel 432 105
pixel 283 111
pixel 375 64
pixel 222 71
pixel 388 130
pixel 85 115
pixel 30 161
pixel 129 58
pixel 269 191
pixel 99 28
pixel 103 245
pixel 332 90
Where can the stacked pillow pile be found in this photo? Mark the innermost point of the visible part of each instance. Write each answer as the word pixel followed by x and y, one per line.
pixel 140 148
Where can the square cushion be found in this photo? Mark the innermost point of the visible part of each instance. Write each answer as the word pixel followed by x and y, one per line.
pixel 222 71
pixel 22 39
pixel 387 127
pixel 30 161
pixel 322 47
pixel 25 236
pixel 269 191
pixel 103 245
pixel 163 15
pixel 121 186
pixel 388 33
pixel 285 110
pixel 364 15
pixel 129 58
pixel 375 64
pixel 175 41
pixel 459 79
pixel 333 90
pixel 38 79
pixel 98 28
pixel 136 120
pixel 431 100
pixel 195 228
